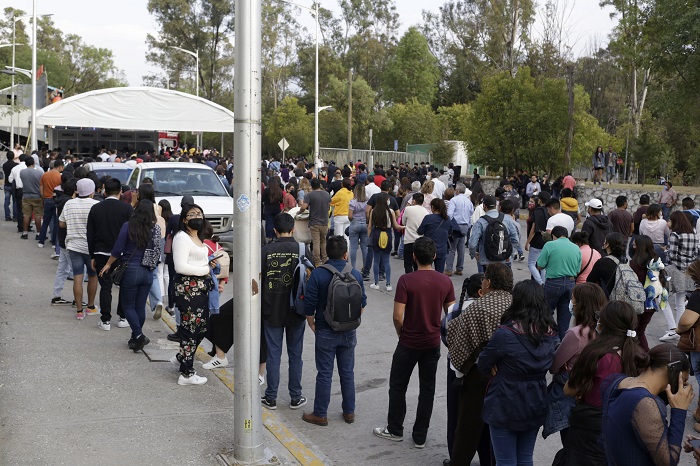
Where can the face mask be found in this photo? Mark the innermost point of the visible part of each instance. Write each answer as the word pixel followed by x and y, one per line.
pixel 195 223
pixel 571 307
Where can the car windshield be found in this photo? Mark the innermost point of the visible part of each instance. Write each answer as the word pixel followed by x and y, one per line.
pixel 121 175
pixel 178 181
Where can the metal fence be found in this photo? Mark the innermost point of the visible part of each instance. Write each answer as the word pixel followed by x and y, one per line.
pixel 341 156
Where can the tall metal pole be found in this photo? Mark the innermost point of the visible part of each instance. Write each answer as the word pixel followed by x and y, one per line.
pixel 247 430
pixel 350 114
pixel 32 134
pixel 196 78
pixel 12 92
pixel 317 161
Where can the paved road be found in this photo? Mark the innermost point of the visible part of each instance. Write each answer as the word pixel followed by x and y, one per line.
pixel 73 394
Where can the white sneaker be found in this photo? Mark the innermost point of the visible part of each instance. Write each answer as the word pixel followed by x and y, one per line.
pixel 671 335
pixel 374 286
pixel 123 323
pixel 174 360
pixel 104 325
pixel 389 288
pixel 194 379
pixel 158 311
pixel 215 363
pixel 40 245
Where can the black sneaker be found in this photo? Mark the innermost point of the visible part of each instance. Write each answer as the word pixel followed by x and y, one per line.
pixel 58 301
pixel 73 304
pixel 268 403
pixel 298 403
pixel 36 238
pixel 141 341
pixel 365 278
pixel 24 236
pixel 132 343
pixel 174 337
pixel 394 253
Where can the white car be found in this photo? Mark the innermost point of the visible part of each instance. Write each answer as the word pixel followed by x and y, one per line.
pixel 120 171
pixel 172 180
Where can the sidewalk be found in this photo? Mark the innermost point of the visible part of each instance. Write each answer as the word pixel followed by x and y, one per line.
pixel 73 394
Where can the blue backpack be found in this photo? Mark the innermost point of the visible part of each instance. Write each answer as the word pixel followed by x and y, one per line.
pixel 299 279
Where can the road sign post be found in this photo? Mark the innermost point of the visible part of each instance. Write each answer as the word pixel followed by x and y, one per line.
pixel 284 145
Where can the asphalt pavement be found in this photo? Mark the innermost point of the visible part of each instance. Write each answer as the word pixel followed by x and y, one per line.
pixel 73 394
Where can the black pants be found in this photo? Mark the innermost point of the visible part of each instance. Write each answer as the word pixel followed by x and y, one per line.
pixel 471 431
pixel 106 290
pixel 20 215
pixel 402 364
pixel 171 280
pixel 409 265
pixel 452 406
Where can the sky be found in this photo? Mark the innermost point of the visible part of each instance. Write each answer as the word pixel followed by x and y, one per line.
pixel 122 26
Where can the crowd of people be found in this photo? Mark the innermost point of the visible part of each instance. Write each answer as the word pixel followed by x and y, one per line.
pixel 596 280
pixel 107 235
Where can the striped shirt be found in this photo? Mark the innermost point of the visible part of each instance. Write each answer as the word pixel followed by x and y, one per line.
pixel 682 249
pixel 75 215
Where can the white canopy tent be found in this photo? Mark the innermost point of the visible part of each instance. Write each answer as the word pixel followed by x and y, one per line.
pixel 138 108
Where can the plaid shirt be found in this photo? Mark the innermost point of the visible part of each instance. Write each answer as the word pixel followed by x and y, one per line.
pixel 682 249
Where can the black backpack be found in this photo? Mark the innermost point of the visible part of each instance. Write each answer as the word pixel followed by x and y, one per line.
pixel 344 305
pixel 496 239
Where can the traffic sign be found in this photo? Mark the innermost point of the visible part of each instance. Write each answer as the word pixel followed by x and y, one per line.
pixel 284 145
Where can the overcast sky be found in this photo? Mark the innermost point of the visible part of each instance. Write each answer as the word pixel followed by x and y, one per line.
pixel 122 26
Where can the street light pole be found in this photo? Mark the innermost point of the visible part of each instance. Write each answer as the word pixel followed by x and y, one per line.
pixel 12 92
pixel 317 161
pixel 195 54
pixel 32 134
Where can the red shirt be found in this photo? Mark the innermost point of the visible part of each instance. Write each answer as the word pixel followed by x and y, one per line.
pixel 569 182
pixel 607 365
pixel 424 293
pixel 378 180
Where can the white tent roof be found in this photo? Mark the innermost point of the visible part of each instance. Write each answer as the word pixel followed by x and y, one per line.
pixel 138 108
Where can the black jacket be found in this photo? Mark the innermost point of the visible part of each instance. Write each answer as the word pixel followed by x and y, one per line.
pixel 598 227
pixel 104 222
pixel 279 259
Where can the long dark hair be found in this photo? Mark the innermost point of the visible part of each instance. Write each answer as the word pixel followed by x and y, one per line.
pixel 141 223
pixel 438 207
pixel 146 192
pixel 530 309
pixel 183 214
pixel 643 251
pixel 470 287
pixel 590 301
pixel 380 212
pixel 166 211
pixel 616 319
pixel 680 223
pixel 275 186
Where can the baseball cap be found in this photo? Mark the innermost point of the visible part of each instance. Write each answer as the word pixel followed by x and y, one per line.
pixel 595 204
pixel 85 187
pixel 490 201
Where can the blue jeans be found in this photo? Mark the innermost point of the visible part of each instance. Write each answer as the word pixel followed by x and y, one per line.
pixel 332 346
pixel 457 245
pixel 513 448
pixel 133 293
pixel 10 198
pixel 295 345
pixel 358 233
pixel 400 251
pixel 695 362
pixel 666 210
pixel 537 275
pixel 154 294
pixel 557 292
pixel 49 220
pixel 383 262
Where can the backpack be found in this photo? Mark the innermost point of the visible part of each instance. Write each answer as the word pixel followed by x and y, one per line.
pixel 628 287
pixel 496 239
pixel 299 278
pixel 344 305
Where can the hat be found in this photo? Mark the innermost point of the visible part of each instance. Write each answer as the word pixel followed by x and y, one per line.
pixel 490 201
pixel 595 204
pixel 415 185
pixel 85 187
pixel 186 200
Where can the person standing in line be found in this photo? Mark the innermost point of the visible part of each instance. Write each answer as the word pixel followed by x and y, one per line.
pixel 272 197
pixel 683 250
pixel 412 218
pixel 318 203
pixel 74 218
pixel 49 181
pixel 557 218
pixel 643 256
pixel 279 260
pixel 597 225
pixel 589 256
pixel 535 241
pixel 598 165
pixel 191 260
pixel 610 161
pixel 17 188
pixel 341 204
pixel 155 295
pixel 421 299
pixel 64 270
pixel 358 226
pixel 393 205
pixel 138 245
pixel 439 227
pixel 460 209
pixel 331 345
pixel 171 229
pixel 640 212
pixel 668 198
pixel 477 239
pixel 370 187
pixel 562 260
pixel 518 357
pixel 32 202
pixel 382 220
pixel 9 189
pixel 104 223
pixel 656 228
pixel 621 221
pixel 533 188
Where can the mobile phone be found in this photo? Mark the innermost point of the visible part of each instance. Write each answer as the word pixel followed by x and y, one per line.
pixel 695 443
pixel 219 254
pixel 674 370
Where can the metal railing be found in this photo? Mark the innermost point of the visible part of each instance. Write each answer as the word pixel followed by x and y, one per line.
pixel 385 158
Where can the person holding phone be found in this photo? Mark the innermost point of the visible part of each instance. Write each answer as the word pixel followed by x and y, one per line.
pixel 634 414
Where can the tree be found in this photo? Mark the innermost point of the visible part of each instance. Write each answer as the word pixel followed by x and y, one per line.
pixel 278 49
pixel 412 72
pixel 453 121
pixel 413 123
pixel 442 153
pixel 289 121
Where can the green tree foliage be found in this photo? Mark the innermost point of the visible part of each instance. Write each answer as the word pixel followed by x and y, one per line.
pixel 442 153
pixel 67 60
pixel 412 71
pixel 289 121
pixel 413 123
pixel 453 121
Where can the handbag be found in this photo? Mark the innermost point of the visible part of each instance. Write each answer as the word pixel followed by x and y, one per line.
pixel 689 340
pixel 168 246
pixel 118 272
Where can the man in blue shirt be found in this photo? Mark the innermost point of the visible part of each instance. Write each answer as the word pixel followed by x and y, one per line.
pixel 476 243
pixel 459 209
pixel 331 345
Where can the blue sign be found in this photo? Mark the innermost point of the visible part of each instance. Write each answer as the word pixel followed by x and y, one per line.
pixel 396 144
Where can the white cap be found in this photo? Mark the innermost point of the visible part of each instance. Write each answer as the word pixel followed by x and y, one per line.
pixel 595 204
